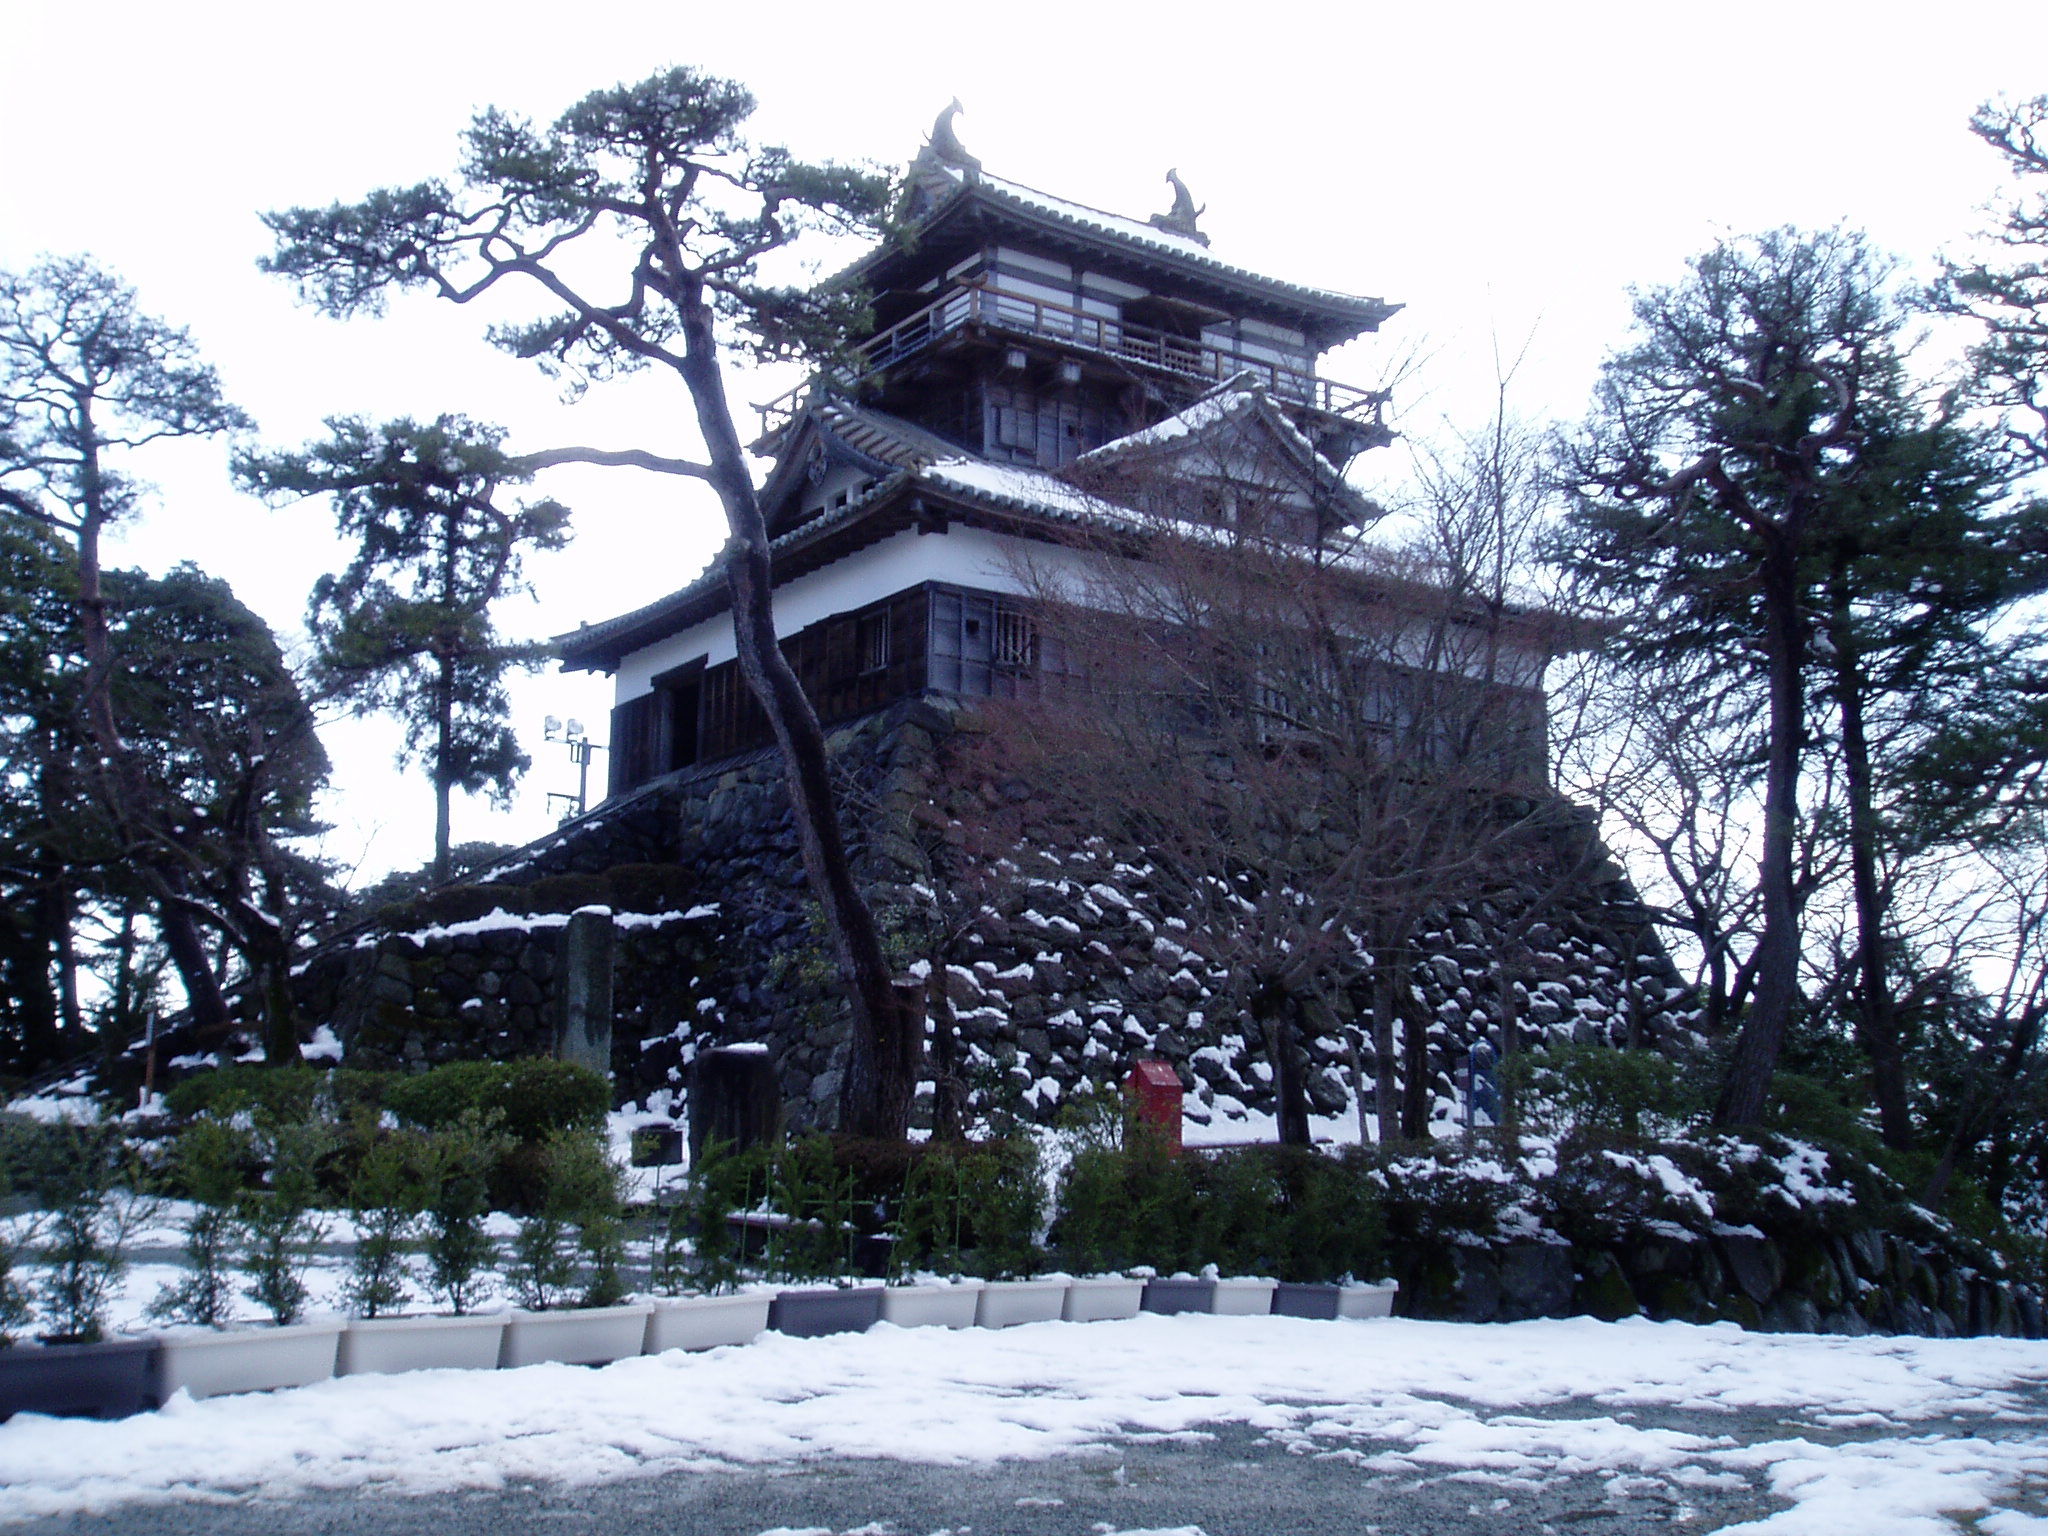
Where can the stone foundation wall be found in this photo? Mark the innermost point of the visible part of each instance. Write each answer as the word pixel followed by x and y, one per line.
pixel 1855 1283
pixel 1053 980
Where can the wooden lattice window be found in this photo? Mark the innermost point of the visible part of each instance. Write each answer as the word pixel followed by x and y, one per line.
pixel 1016 639
pixel 873 642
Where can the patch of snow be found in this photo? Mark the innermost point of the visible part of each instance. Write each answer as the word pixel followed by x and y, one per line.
pixel 324 1046
pixel 1525 1400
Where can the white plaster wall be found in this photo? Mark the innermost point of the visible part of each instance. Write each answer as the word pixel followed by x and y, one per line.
pixel 964 557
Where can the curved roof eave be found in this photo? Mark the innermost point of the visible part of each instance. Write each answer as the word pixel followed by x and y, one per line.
pixel 1342 315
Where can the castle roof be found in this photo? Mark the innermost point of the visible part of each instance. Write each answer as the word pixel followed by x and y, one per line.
pixel 923 477
pixel 959 215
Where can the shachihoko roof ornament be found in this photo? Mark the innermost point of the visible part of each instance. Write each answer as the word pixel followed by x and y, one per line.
pixel 1180 218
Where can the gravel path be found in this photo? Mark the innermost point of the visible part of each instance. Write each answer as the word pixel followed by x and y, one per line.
pixel 1227 1481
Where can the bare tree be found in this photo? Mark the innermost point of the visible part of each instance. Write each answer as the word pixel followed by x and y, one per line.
pixel 1315 737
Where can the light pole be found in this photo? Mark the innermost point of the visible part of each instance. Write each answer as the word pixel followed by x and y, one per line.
pixel 580 747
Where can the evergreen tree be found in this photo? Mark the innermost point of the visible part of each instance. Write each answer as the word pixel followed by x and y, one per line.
pixel 406 628
pixel 87 380
pixel 642 218
pixel 1764 484
pixel 2007 293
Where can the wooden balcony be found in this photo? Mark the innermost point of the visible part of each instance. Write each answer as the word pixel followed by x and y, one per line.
pixel 994 312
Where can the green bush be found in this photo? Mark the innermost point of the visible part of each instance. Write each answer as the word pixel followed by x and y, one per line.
pixel 15 1307
pixel 386 1196
pixel 1291 1212
pixel 456 1166
pixel 973 1207
pixel 1127 1205
pixel 278 1093
pixel 210 1166
pixel 579 1213
pixel 819 1202
pixel 278 1220
pixel 696 1246
pixel 1604 1089
pixel 533 1097
pixel 1328 1223
pixel 80 1186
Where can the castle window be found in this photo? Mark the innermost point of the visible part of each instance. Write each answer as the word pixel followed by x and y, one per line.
pixel 874 642
pixel 1016 639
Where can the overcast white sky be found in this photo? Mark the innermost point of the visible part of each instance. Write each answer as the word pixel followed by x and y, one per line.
pixel 1494 167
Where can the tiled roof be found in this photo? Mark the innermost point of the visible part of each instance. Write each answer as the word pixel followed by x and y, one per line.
pixel 923 459
pixel 1140 238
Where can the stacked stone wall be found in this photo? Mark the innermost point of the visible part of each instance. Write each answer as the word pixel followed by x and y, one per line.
pixel 1055 974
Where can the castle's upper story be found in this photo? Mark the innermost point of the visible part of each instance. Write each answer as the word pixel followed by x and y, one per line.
pixel 1026 329
pixel 1033 373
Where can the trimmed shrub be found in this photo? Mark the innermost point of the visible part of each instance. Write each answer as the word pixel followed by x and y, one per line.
pixel 210 1166
pixel 532 1097
pixel 457 1161
pixel 1127 1205
pixel 1437 1199
pixel 281 1093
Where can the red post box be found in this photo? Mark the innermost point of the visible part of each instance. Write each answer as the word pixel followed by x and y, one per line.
pixel 1155 1090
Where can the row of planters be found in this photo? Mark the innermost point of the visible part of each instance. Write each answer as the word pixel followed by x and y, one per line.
pixel 265 1162
pixel 117 1377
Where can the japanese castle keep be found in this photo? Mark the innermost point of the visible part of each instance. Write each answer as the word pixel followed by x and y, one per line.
pixel 1013 336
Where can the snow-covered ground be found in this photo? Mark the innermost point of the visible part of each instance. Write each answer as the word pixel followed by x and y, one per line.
pixel 1880 1436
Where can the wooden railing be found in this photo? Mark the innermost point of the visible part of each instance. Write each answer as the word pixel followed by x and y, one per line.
pixel 994 309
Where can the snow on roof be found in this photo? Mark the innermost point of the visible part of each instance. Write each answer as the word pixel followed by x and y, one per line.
pixel 1111 223
pixel 1138 232
pixel 1218 405
pixel 1018 486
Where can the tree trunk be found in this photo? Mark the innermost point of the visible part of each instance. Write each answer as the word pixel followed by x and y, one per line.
pixel 1877 1022
pixel 882 1062
pixel 1386 1097
pixel 444 750
pixel 31 956
pixel 188 957
pixel 1274 1006
pixel 1416 1078
pixel 1746 1091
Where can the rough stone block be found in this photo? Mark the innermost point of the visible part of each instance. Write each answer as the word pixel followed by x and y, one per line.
pixel 1754 1263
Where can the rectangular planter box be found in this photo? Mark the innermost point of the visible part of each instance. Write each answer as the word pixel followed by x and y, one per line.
pixel 705 1322
pixel 932 1306
pixel 1006 1303
pixel 210 1362
pixel 1224 1298
pixel 574 1335
pixel 1101 1298
pixel 809 1314
pixel 102 1381
pixel 1293 1300
pixel 378 1346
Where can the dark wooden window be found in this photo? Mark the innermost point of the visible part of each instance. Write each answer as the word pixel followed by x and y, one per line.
pixel 874 642
pixel 638 732
pixel 988 647
pixel 1048 430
